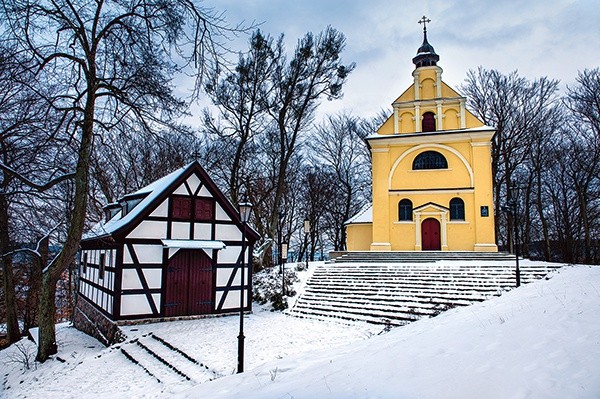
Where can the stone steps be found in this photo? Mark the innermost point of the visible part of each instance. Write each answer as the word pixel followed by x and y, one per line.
pixel 166 363
pixel 397 294
pixel 417 256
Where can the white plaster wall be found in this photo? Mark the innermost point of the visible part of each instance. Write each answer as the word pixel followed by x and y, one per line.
pixel 232 301
pixel 181 190
pixel 193 182
pixel 220 213
pixel 148 253
pixel 157 298
pixel 204 192
pixel 227 232
pixel 126 256
pixel 202 231
pixel 223 275
pixel 180 231
pixel 130 280
pixel 162 209
pixel 149 229
pixel 137 304
pixel 110 305
pixel 153 277
pixel 229 254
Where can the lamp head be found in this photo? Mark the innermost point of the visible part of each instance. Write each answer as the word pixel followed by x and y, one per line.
pixel 245 209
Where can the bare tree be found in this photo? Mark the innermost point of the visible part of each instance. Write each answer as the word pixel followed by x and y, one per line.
pixel 583 100
pixel 517 108
pixel 265 106
pixel 338 143
pixel 314 72
pixel 112 62
pixel 241 99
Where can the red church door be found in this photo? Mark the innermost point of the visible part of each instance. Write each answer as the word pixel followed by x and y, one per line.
pixel 189 285
pixel 430 235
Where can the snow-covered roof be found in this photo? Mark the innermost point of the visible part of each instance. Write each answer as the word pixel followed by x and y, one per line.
pixel 437 132
pixel 364 216
pixel 194 244
pixel 152 191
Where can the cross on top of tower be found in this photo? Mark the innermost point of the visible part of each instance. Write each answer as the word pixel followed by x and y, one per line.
pixel 426 55
pixel 424 21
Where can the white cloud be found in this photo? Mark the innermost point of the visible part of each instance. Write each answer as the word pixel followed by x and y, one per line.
pixel 537 38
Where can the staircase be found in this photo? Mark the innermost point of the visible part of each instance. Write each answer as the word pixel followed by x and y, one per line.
pixel 418 256
pixel 398 293
pixel 164 362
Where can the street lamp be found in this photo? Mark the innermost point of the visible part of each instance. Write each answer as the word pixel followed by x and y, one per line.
pixel 284 255
pixel 245 208
pixel 512 209
pixel 306 233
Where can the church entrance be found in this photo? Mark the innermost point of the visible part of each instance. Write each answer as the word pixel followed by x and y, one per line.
pixel 430 235
pixel 189 285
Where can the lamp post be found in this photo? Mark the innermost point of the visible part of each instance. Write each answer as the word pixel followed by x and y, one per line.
pixel 284 255
pixel 280 216
pixel 306 233
pixel 512 209
pixel 245 208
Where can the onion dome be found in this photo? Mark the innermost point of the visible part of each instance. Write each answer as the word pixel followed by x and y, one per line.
pixel 426 55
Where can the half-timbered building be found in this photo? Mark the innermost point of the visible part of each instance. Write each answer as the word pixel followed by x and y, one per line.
pixel 171 249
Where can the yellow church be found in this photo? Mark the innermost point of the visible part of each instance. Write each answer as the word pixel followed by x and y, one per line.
pixel 431 170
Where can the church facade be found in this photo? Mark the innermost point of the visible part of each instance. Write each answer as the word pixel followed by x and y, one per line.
pixel 431 170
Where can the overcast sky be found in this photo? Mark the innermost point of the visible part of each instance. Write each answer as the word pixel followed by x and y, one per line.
pixel 553 38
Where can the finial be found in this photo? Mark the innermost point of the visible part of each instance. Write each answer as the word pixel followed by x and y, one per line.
pixel 424 21
pixel 426 55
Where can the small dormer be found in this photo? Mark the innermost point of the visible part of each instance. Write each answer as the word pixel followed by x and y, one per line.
pixel 111 210
pixel 128 202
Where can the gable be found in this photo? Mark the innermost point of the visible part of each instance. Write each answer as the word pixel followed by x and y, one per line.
pixel 190 181
pixel 430 207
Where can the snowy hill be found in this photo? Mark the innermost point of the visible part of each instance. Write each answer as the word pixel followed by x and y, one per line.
pixel 539 341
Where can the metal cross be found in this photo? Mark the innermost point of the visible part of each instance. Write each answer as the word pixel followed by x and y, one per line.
pixel 424 21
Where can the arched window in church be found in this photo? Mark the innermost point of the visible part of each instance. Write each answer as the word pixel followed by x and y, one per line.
pixel 430 160
pixel 457 209
pixel 428 122
pixel 405 210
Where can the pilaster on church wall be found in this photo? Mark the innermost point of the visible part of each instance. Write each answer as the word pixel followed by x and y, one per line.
pixel 482 167
pixel 381 219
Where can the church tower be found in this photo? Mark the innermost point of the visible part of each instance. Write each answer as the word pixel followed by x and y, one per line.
pixel 431 169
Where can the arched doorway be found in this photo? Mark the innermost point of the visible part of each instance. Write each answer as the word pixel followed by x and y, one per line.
pixel 189 285
pixel 430 235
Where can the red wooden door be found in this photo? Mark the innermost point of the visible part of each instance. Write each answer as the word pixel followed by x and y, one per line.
pixel 430 235
pixel 189 285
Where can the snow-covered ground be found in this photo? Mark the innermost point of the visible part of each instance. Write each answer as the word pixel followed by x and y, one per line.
pixel 539 341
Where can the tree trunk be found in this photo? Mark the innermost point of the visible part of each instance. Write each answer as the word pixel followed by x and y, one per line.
pixel 47 334
pixel 35 281
pixel 12 323
pixel 544 222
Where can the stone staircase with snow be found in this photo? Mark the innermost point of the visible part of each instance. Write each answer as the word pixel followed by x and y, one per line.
pixel 165 362
pixel 397 293
pixel 418 256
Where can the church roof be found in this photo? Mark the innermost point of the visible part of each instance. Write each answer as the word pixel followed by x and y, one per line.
pixel 376 136
pixel 365 215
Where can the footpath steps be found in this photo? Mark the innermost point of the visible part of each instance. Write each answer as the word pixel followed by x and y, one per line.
pixel 396 293
pixel 164 362
pixel 417 256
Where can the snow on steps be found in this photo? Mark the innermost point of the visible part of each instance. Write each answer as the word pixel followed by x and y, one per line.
pixel 397 293
pixel 165 362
